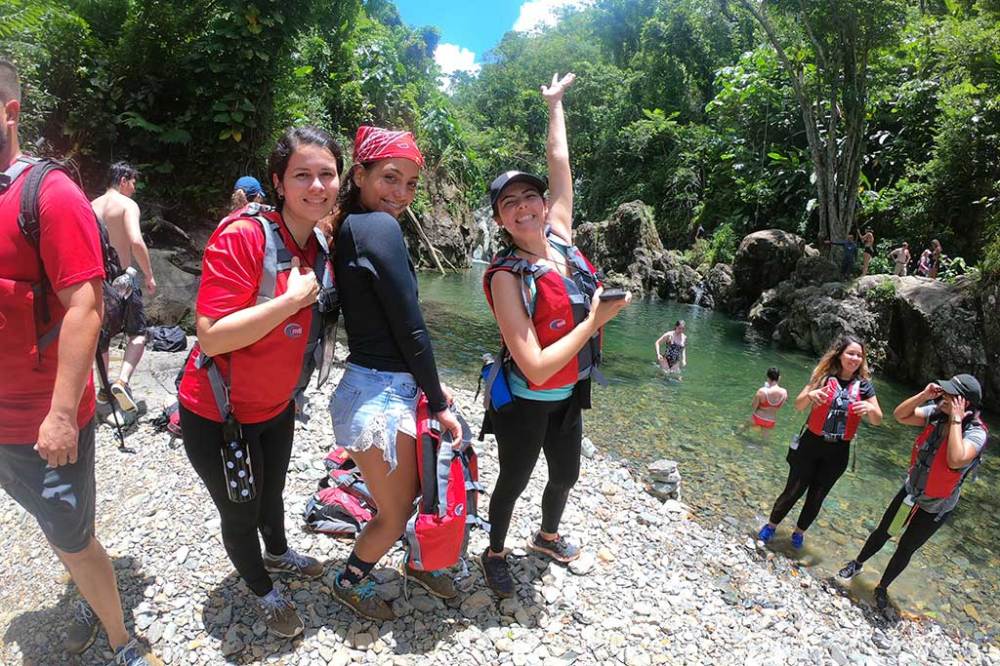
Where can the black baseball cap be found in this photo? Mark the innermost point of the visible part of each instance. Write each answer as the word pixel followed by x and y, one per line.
pixel 966 386
pixel 509 178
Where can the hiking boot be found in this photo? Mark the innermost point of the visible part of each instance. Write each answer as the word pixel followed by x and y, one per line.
pixel 362 600
pixel 766 533
pixel 293 563
pixel 851 569
pixel 798 540
pixel 439 583
pixel 82 628
pixel 558 549
pixel 102 397
pixel 129 655
pixel 881 597
pixel 123 396
pixel 497 574
pixel 280 615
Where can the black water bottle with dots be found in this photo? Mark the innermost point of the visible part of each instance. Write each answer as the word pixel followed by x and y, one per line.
pixel 236 464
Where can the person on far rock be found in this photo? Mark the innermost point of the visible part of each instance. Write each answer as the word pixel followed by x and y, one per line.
pixel 674 360
pixel 547 300
pixel 949 447
pixel 839 395
pixel 850 255
pixel 868 249
pixel 900 259
pixel 924 263
pixel 935 259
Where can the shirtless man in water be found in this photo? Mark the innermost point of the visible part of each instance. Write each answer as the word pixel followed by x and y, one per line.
pixel 767 401
pixel 121 216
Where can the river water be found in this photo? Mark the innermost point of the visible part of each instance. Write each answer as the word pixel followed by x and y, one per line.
pixel 731 477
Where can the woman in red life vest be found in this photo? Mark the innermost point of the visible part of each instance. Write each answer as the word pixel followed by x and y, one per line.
pixel 548 306
pixel 254 319
pixel 374 407
pixel 839 394
pixel 948 448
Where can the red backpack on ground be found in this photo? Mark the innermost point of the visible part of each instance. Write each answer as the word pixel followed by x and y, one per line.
pixel 342 505
pixel 446 509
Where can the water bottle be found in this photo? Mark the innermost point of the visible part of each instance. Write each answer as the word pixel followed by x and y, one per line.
pixel 236 463
pixel 124 283
pixel 902 516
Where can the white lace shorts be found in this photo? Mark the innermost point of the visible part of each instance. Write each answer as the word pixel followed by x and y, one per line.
pixel 369 407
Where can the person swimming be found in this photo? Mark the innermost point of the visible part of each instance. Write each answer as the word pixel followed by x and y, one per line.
pixel 767 401
pixel 674 359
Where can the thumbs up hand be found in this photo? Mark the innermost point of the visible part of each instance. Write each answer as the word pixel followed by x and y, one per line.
pixel 303 289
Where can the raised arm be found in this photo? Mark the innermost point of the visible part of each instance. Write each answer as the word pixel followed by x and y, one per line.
pixel 557 156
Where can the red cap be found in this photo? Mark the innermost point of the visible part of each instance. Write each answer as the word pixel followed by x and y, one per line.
pixel 377 143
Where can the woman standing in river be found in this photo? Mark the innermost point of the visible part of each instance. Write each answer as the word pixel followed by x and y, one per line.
pixel 839 394
pixel 945 452
pixel 547 302
pixel 675 359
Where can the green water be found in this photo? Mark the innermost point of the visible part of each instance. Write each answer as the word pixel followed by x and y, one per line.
pixel 732 477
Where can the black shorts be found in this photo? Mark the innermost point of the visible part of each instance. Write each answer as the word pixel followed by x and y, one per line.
pixel 126 315
pixel 60 498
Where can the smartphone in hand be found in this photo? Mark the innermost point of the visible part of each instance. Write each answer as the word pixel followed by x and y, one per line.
pixel 613 294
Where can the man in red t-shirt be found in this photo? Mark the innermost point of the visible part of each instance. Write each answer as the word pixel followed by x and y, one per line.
pixel 47 395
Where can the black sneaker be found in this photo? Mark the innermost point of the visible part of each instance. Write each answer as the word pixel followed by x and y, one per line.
pixel 851 569
pixel 558 549
pixel 881 597
pixel 497 574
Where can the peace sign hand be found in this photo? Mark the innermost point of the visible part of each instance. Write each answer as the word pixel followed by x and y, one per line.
pixel 553 93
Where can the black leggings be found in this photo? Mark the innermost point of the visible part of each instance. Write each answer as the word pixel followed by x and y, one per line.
pixel 528 427
pixel 921 527
pixel 814 468
pixel 270 446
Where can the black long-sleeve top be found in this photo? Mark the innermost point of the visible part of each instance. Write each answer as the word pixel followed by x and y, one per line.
pixel 378 296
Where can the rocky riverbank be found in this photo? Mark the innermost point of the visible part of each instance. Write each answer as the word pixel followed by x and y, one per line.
pixel 656 584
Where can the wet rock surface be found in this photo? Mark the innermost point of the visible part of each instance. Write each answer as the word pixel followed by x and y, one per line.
pixel 653 584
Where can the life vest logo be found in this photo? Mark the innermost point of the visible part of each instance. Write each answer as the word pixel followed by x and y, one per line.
pixel 557 324
pixel 459 509
pixel 293 331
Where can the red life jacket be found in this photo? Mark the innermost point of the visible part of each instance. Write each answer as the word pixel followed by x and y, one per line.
pixel 842 423
pixel 446 508
pixel 929 462
pixel 556 304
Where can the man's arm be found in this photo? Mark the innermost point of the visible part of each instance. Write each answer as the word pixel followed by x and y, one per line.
pixel 134 233
pixel 57 435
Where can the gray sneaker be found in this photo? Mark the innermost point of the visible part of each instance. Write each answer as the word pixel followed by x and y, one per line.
pixel 129 656
pixel 293 563
pixel 280 615
pixel 362 600
pixel 82 628
pixel 558 549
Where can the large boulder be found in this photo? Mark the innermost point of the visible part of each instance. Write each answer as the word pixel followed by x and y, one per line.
pixel 937 330
pixel 763 259
pixel 177 279
pixel 720 283
pixel 627 248
pixel 448 224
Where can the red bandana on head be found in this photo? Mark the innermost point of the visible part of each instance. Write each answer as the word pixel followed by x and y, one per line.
pixel 377 143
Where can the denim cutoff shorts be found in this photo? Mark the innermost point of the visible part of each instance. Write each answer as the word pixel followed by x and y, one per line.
pixel 370 406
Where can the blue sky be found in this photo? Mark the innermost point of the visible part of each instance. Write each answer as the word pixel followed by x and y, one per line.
pixel 469 29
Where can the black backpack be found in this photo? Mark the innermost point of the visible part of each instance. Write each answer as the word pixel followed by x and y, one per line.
pixel 30 226
pixel 166 338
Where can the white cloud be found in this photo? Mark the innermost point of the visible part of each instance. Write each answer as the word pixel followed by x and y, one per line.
pixel 453 58
pixel 537 14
